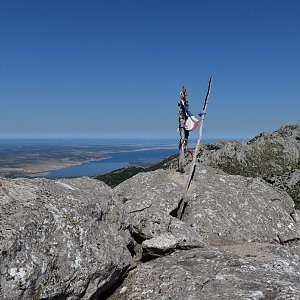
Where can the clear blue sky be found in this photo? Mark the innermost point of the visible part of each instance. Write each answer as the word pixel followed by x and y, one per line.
pixel 113 68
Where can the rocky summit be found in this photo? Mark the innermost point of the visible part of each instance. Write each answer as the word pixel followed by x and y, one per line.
pixel 238 237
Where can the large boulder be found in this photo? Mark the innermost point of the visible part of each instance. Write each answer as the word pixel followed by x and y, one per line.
pixel 150 199
pixel 249 229
pixel 64 239
pixel 248 271
pixel 231 209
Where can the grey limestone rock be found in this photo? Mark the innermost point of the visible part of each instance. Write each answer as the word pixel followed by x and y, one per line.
pixel 222 209
pixel 274 152
pixel 257 271
pixel 231 209
pixel 64 239
pixel 275 157
pixel 150 198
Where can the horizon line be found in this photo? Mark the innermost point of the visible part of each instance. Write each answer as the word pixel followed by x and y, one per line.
pixel 119 137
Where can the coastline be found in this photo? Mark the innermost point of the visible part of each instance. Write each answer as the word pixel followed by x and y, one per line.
pixel 115 163
pixel 42 168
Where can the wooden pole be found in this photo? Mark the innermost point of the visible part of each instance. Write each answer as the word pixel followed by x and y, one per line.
pixel 184 200
pixel 184 134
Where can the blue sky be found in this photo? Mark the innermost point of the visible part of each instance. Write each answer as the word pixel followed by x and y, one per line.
pixel 115 68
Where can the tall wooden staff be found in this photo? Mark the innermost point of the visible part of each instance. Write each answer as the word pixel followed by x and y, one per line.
pixel 184 134
pixel 184 200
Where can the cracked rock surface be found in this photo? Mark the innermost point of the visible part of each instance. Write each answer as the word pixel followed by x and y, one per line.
pixel 231 209
pixel 249 230
pixel 267 272
pixel 149 199
pixel 62 239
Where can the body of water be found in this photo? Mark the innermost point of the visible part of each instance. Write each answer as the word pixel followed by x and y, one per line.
pixel 115 161
pixel 104 155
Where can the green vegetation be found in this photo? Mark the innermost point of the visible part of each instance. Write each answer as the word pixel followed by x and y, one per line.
pixel 264 162
pixel 250 255
pixel 294 193
pixel 116 177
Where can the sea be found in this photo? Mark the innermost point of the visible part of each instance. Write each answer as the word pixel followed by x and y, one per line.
pixel 114 153
pixel 142 153
pixel 117 160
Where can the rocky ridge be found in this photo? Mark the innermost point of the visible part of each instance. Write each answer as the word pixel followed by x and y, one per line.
pixel 274 157
pixel 247 245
